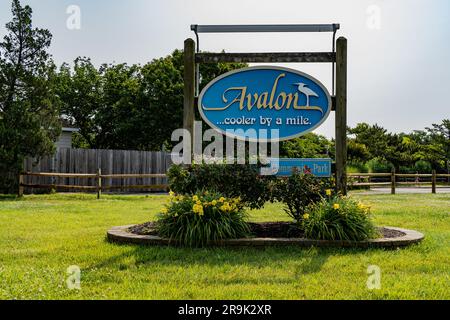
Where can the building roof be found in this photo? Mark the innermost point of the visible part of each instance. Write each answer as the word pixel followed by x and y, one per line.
pixel 67 126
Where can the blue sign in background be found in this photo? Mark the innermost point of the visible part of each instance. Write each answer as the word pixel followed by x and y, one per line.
pixel 320 167
pixel 258 80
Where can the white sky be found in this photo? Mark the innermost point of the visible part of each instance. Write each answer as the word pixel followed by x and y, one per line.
pixel 398 77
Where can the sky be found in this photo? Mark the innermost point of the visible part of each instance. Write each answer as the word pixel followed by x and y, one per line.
pixel 398 50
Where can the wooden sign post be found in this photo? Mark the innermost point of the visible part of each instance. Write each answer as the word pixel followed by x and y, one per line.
pixel 341 115
pixel 189 89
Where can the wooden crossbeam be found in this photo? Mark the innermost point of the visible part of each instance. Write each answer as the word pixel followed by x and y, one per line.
pixel 209 57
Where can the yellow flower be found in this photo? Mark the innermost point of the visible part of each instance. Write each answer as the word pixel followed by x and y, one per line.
pixel 226 207
pixel 306 216
pixel 363 207
pixel 198 208
pixel 336 206
pixel 221 199
pixel 328 192
pixel 164 210
pixel 171 193
pixel 214 202
pixel 195 197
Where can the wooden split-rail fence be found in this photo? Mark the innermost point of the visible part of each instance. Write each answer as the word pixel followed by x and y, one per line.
pixel 99 187
pixel 394 179
pixel 96 170
pixel 98 177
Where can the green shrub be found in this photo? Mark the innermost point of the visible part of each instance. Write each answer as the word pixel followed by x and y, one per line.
pixel 231 180
pixel 405 169
pixel 199 219
pixel 422 166
pixel 377 165
pixel 357 167
pixel 339 218
pixel 299 190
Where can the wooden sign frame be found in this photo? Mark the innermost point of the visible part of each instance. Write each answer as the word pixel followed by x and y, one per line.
pixel 339 101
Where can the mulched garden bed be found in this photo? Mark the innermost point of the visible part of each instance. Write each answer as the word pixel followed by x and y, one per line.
pixel 262 230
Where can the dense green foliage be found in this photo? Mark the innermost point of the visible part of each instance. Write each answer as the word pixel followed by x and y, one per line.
pixel 29 108
pixel 118 106
pixel 338 218
pixel 298 191
pixel 198 220
pixel 372 147
pixel 310 145
pixel 231 180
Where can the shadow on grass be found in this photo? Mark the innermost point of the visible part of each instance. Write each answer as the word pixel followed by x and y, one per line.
pixel 305 260
pixel 69 196
pixel 9 197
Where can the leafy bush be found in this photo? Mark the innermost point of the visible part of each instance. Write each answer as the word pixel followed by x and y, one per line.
pixel 231 180
pixel 339 218
pixel 405 169
pixel 357 167
pixel 299 190
pixel 378 165
pixel 422 166
pixel 201 218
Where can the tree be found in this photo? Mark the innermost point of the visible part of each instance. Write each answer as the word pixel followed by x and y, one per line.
pixel 162 100
pixel 80 94
pixel 438 150
pixel 374 137
pixel 357 152
pixel 29 113
pixel 102 103
pixel 310 145
pixel 128 107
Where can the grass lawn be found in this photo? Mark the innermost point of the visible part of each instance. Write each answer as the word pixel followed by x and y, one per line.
pixel 42 235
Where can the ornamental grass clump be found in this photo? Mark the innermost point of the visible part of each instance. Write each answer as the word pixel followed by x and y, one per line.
pixel 202 218
pixel 339 218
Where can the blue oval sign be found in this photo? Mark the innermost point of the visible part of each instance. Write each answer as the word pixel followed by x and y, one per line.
pixel 264 103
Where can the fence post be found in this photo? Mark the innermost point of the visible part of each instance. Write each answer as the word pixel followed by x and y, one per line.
pixel 20 192
pixel 393 181
pixel 433 181
pixel 99 183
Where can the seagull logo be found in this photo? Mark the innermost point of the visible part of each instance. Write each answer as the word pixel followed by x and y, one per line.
pixel 303 89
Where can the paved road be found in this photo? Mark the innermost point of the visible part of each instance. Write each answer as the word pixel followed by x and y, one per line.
pixel 406 190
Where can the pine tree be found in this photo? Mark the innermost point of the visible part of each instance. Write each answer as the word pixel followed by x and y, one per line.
pixel 29 112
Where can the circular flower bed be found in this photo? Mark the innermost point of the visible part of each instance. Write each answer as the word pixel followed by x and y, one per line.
pixel 264 230
pixel 145 234
pixel 200 218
